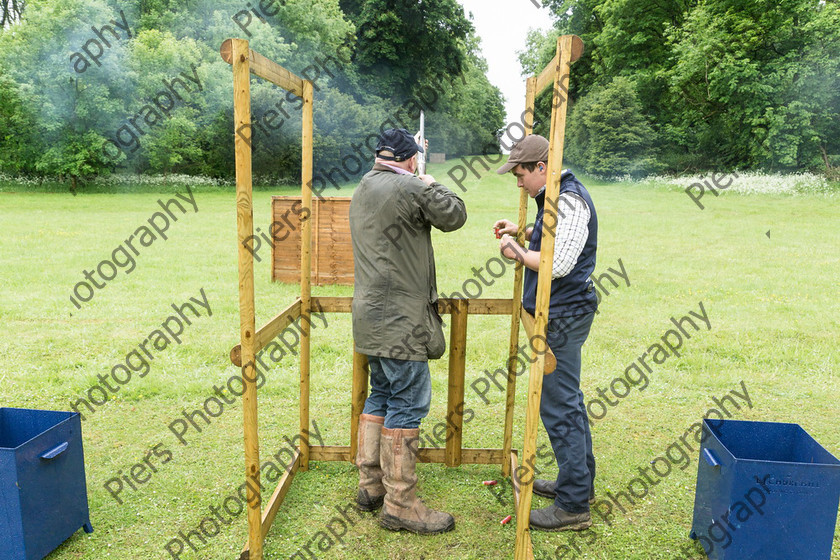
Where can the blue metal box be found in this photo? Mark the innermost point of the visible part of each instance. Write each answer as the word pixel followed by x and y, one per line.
pixel 765 491
pixel 43 495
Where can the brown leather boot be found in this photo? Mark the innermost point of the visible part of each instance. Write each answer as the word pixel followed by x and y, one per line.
pixel 371 490
pixel 403 509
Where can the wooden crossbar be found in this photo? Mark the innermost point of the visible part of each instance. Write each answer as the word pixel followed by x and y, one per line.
pixel 270 511
pixel 547 76
pixel 268 331
pixel 469 456
pixel 538 344
pixel 479 306
pixel 266 69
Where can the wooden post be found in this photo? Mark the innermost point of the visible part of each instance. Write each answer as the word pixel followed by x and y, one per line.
pixel 306 272
pixel 510 401
pixel 552 189
pixel 247 325
pixel 457 370
pixel 357 403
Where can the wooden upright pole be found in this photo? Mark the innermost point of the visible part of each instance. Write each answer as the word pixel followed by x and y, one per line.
pixel 247 327
pixel 361 374
pixel 306 272
pixel 530 97
pixel 457 371
pixel 552 189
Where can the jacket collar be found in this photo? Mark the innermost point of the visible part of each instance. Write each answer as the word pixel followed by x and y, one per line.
pixel 385 167
pixel 380 167
pixel 540 198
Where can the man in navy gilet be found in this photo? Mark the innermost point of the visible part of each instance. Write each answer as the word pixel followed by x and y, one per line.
pixel 571 310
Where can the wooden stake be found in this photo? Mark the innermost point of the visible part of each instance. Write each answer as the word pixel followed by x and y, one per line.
pixel 457 370
pixel 555 167
pixel 245 229
pixel 306 272
pixel 359 390
pixel 510 398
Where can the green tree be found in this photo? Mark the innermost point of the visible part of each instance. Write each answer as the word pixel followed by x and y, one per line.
pixel 173 143
pixel 70 109
pixel 754 84
pixel 10 12
pixel 77 155
pixel 71 116
pixel 736 83
pixel 19 143
pixel 403 44
pixel 608 134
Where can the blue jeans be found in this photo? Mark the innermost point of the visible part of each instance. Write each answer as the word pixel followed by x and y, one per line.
pixel 400 390
pixel 564 414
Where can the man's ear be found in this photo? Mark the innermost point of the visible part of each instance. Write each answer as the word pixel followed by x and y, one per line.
pixel 541 165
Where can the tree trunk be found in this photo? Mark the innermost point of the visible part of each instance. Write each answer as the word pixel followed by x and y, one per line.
pixel 825 158
pixel 73 184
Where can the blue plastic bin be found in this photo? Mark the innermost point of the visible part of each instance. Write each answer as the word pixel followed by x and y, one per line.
pixel 765 491
pixel 43 495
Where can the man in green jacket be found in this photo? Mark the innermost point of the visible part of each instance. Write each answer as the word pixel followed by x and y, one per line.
pixel 396 324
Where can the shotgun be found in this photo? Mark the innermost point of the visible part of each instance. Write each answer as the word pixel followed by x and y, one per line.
pixel 421 156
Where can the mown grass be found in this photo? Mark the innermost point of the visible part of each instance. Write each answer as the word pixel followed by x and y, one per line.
pixel 772 303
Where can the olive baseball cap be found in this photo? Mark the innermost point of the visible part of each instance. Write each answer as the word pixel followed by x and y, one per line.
pixel 531 149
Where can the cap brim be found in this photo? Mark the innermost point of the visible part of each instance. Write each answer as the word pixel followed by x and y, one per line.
pixel 506 167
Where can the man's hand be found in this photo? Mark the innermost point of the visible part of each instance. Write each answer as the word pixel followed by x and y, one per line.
pixel 503 227
pixel 428 179
pixel 510 249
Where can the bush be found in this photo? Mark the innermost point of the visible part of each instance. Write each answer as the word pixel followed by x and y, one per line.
pixel 608 135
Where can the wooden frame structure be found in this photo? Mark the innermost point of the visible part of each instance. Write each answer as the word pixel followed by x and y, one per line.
pixel 245 62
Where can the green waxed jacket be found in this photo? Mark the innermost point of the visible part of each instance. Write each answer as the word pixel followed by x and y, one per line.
pixel 395 295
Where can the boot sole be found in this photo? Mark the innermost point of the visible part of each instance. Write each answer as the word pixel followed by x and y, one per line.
pixel 571 527
pixel 396 524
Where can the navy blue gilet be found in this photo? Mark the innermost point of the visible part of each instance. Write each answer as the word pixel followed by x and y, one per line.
pixel 574 293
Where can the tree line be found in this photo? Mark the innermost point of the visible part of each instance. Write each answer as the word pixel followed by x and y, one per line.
pixel 698 85
pixel 91 87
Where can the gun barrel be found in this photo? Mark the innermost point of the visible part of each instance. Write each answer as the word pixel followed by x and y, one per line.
pixel 421 157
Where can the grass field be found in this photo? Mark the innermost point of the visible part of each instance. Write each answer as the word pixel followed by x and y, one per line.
pixel 772 303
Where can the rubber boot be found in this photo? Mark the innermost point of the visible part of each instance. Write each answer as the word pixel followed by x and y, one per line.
pixel 403 509
pixel 371 490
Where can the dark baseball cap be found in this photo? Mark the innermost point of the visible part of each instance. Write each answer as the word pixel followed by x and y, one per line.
pixel 531 149
pixel 399 142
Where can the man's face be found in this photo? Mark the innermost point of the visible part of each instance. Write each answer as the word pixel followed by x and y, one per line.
pixel 531 181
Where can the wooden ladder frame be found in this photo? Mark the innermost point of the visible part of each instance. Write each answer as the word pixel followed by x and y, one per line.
pixel 246 61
